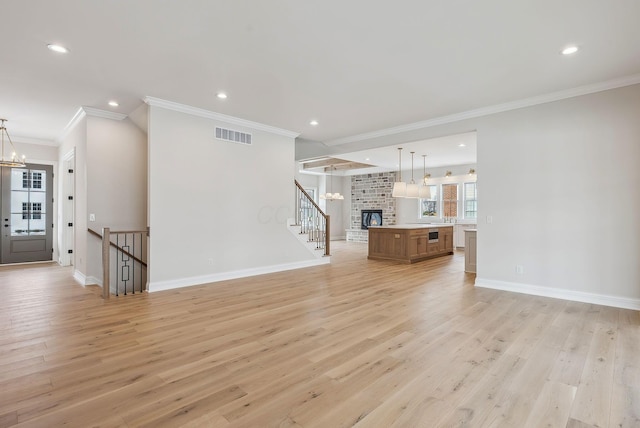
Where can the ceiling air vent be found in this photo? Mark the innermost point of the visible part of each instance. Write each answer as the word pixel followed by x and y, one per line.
pixel 233 136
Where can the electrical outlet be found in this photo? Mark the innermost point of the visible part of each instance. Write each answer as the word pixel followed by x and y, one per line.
pixel 211 262
pixel 519 269
pixel 92 217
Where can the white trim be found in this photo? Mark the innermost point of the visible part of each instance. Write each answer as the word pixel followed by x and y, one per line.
pixel 36 141
pixel 29 263
pixel 558 293
pixel 80 114
pixel 92 280
pixel 69 155
pixel 154 286
pixel 498 108
pixel 79 277
pixel 195 111
pixel 90 111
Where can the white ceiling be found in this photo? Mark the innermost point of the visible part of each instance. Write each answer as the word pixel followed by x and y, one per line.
pixel 355 66
pixel 451 150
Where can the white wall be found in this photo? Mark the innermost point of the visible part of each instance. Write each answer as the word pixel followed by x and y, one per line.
pixel 110 182
pixel 36 153
pixel 116 182
pixel 217 209
pixel 336 208
pixel 559 181
pixel 117 175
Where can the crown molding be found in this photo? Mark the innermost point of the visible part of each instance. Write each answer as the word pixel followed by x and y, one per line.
pixel 498 108
pixel 207 114
pixel 37 141
pixel 90 111
pixel 83 112
pixel 80 114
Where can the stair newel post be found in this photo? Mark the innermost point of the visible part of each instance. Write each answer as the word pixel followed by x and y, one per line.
pixel 327 237
pixel 106 239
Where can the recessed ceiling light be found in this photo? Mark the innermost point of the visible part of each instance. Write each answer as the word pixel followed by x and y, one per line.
pixel 313 123
pixel 113 103
pixel 367 159
pixel 221 95
pixel 57 48
pixel 569 50
pixel 462 145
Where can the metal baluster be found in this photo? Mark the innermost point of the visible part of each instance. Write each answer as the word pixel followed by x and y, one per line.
pixel 133 265
pixel 117 265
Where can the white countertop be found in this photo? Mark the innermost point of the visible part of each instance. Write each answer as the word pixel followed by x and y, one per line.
pixel 414 226
pixel 471 230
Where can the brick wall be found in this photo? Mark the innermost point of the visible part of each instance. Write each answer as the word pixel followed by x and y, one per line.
pixel 372 192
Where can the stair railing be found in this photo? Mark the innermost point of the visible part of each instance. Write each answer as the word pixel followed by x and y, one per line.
pixel 123 253
pixel 312 220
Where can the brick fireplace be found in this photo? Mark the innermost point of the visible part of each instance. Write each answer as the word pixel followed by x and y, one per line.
pixel 371 192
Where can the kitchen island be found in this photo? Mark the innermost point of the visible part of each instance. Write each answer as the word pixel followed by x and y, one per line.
pixel 410 243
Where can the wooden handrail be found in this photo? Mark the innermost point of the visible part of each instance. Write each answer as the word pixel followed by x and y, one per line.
pixel 93 232
pixel 310 198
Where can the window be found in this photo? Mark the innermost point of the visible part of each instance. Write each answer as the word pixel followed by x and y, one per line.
pixel 429 207
pixel 36 180
pixel 450 200
pixel 470 200
pixel 32 211
pixel 36 211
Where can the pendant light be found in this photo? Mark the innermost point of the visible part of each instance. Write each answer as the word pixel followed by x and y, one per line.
pixel 399 187
pixel 14 161
pixel 412 187
pixel 330 196
pixel 425 190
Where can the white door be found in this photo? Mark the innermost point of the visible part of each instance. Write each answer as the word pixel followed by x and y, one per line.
pixel 26 208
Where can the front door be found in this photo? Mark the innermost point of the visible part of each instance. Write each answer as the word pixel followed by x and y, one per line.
pixel 26 208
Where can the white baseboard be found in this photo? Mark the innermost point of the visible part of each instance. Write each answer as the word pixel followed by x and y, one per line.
pixel 204 279
pixel 558 293
pixel 79 277
pixel 92 280
pixel 84 280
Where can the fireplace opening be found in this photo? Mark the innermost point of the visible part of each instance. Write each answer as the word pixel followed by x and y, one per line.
pixel 370 218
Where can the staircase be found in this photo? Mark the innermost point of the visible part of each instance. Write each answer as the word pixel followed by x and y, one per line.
pixel 311 225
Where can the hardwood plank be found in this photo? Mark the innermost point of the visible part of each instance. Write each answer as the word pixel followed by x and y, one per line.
pixel 625 406
pixel 553 406
pixel 354 343
pixel 593 398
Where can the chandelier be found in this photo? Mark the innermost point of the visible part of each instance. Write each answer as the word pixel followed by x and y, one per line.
pixel 330 196
pixel 14 160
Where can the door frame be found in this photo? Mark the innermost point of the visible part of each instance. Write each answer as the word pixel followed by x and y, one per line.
pixel 66 209
pixel 54 237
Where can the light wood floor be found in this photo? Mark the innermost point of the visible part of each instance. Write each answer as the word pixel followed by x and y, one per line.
pixel 355 343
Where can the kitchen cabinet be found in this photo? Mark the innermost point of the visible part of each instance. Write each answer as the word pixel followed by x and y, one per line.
pixel 458 234
pixel 470 250
pixel 409 243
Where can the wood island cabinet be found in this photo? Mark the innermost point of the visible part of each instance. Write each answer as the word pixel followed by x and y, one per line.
pixel 410 243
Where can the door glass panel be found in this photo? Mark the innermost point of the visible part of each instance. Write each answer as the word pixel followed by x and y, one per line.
pixel 28 202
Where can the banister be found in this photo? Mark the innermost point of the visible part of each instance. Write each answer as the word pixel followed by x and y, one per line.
pixel 325 230
pixel 309 197
pixel 93 232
